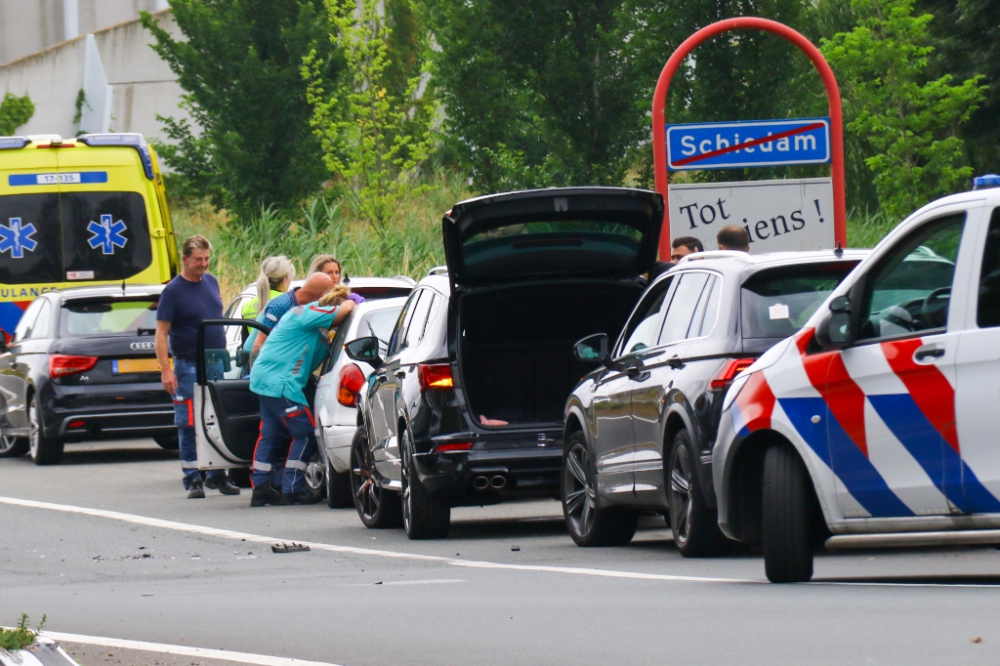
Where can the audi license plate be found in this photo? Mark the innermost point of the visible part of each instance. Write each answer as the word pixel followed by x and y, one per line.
pixel 129 365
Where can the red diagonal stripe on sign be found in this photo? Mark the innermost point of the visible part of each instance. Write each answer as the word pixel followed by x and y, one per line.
pixel 749 144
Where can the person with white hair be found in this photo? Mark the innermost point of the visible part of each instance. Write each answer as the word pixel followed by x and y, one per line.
pixel 276 274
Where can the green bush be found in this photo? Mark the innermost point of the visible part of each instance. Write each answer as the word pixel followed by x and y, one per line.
pixel 20 636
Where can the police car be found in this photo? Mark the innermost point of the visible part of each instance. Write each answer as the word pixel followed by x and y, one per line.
pixel 876 424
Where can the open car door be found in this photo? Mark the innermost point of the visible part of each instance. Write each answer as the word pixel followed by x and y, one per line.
pixel 226 411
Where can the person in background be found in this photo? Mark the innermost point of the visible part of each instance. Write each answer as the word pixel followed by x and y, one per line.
pixel 276 274
pixel 185 302
pixel 330 266
pixel 733 238
pixel 279 376
pixel 684 246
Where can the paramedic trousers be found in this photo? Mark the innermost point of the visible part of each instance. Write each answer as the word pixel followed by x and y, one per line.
pixel 184 370
pixel 278 415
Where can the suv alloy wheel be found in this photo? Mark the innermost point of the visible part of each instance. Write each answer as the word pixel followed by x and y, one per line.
pixel 377 507
pixel 588 524
pixel 694 524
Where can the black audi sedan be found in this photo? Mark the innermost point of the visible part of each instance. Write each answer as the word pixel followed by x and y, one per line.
pixel 466 404
pixel 640 429
pixel 82 363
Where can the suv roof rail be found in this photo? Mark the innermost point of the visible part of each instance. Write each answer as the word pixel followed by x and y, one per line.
pixel 438 270
pixel 716 254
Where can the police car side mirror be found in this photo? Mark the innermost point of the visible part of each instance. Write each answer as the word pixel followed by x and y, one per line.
pixel 365 350
pixel 836 331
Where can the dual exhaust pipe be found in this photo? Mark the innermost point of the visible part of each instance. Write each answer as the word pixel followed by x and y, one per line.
pixel 483 483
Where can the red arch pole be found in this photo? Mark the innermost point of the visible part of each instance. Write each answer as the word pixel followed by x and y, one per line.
pixel 832 95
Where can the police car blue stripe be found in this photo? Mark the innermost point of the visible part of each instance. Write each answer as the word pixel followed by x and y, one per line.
pixel 943 464
pixel 842 455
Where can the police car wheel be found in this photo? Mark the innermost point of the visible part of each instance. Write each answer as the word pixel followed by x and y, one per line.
pixel 788 555
pixel 694 524
pixel 44 450
pixel 590 525
pixel 377 507
pixel 424 516
pixel 338 487
pixel 13 447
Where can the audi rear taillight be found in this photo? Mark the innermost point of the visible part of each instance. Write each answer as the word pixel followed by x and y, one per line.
pixel 434 377
pixel 451 447
pixel 351 381
pixel 63 365
pixel 729 371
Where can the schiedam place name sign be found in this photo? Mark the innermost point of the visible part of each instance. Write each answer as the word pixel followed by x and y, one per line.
pixel 779 215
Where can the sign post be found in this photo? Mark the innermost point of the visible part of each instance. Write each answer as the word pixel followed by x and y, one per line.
pixel 755 143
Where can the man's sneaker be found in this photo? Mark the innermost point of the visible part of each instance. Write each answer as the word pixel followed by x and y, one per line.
pixel 303 497
pixel 265 494
pixel 222 484
pixel 195 489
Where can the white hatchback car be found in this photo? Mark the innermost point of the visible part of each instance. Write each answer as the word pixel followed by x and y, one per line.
pixel 877 422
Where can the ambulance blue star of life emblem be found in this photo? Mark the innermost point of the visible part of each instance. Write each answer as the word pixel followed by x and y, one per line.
pixel 17 239
pixel 107 234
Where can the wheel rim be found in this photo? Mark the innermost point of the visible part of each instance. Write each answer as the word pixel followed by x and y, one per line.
pixel 328 478
pixel 33 437
pixel 7 442
pixel 579 495
pixel 681 473
pixel 366 492
pixel 315 476
pixel 407 494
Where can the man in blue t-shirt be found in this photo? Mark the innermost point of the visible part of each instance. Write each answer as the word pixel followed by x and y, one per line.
pixel 186 301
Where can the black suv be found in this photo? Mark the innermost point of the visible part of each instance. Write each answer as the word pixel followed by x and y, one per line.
pixel 466 407
pixel 640 429
pixel 82 364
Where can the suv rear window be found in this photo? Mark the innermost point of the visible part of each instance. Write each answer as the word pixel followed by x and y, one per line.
pixel 775 303
pixel 104 317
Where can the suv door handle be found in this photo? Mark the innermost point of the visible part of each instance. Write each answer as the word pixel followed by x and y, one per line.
pixel 931 351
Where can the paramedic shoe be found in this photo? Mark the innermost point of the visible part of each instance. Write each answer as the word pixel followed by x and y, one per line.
pixel 222 484
pixel 265 494
pixel 304 497
pixel 196 490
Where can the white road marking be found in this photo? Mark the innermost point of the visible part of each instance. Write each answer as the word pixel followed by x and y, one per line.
pixel 257 538
pixel 183 650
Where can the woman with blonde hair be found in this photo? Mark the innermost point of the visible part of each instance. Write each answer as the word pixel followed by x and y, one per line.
pixel 276 273
pixel 330 265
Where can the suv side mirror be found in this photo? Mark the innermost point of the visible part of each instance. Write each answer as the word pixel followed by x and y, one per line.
pixel 365 350
pixel 836 331
pixel 593 348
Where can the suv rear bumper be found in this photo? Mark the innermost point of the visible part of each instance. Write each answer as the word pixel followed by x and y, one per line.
pixel 109 410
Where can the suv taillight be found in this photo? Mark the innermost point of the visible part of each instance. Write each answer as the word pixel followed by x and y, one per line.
pixel 351 381
pixel 434 377
pixel 728 373
pixel 63 365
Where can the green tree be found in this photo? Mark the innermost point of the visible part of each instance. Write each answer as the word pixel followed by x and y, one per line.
pixel 910 122
pixel 373 140
pixel 240 67
pixel 14 112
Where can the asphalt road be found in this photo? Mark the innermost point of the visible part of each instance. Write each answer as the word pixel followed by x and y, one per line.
pixel 117 551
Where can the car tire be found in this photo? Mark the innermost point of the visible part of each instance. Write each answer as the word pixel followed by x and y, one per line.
pixel 43 450
pixel 167 442
pixel 424 516
pixel 694 524
pixel 316 476
pixel 588 525
pixel 13 447
pixel 338 487
pixel 787 499
pixel 377 507
pixel 240 477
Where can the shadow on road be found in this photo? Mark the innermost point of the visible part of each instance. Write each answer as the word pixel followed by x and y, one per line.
pixel 956 579
pixel 494 528
pixel 99 453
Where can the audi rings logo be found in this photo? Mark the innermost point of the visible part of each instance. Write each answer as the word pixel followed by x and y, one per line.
pixel 143 346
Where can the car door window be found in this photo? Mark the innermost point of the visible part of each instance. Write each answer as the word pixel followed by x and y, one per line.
pixel 909 290
pixel 39 330
pixel 683 304
pixel 988 308
pixel 399 334
pixel 415 331
pixel 710 297
pixel 640 332
pixel 23 326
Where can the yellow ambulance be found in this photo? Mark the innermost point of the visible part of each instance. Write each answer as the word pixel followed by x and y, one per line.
pixel 73 212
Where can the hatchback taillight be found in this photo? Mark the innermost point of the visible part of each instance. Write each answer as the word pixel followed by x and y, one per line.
pixel 434 377
pixel 63 365
pixel 351 381
pixel 728 373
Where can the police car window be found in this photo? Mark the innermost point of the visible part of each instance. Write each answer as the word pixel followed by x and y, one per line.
pixel 40 328
pixel 404 321
pixel 988 309
pixel 105 235
pixel 27 320
pixel 910 290
pixel 105 318
pixel 30 239
pixel 415 331
pixel 640 332
pixel 682 307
